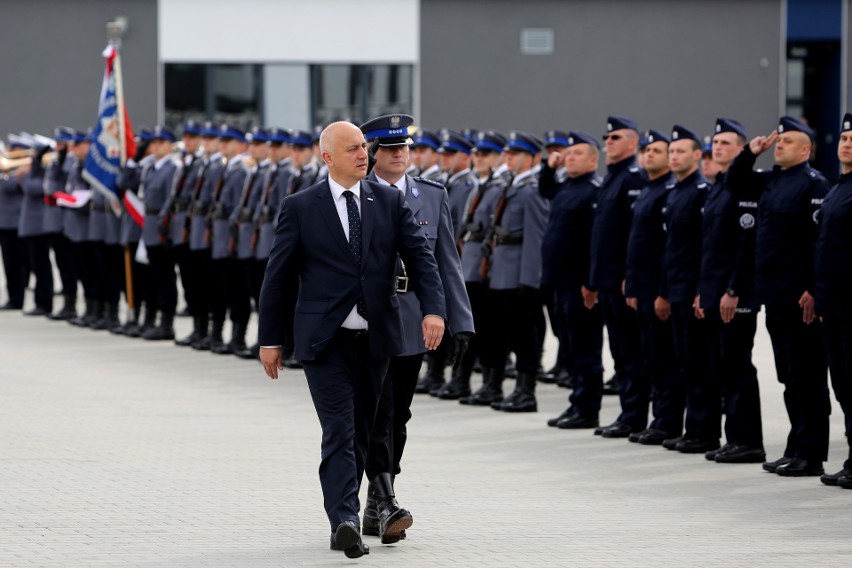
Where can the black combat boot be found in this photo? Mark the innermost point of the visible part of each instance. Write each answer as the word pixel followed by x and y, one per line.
pixel 86 318
pixel 164 331
pixel 214 339
pixel 238 342
pixel 68 310
pixel 393 519
pixel 370 522
pixel 459 385
pixel 491 390
pixel 217 343
pixel 524 401
pixel 192 337
pixel 433 380
pixel 109 316
pixel 149 322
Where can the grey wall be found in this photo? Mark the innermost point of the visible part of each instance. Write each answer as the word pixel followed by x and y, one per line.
pixel 658 61
pixel 52 67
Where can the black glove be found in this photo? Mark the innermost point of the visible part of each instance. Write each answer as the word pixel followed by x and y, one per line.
pixel 140 151
pixel 371 155
pixel 61 154
pixel 460 341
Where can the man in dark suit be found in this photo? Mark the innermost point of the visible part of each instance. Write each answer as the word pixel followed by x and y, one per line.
pixel 346 322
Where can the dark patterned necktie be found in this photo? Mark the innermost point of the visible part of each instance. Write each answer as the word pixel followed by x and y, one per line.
pixel 355 242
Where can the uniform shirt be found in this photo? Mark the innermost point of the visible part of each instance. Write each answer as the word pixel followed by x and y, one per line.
pixel 647 241
pixel 727 249
pixel 786 226
pixel 567 239
pixel 682 257
pixel 354 319
pixel 459 187
pixel 622 184
pixel 833 259
pixel 479 209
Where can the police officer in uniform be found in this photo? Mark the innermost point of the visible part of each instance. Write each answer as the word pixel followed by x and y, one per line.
pixel 569 229
pixel 33 234
pixel 14 262
pixel 388 136
pixel 790 196
pixel 302 160
pixel 160 181
pixel 424 155
pixel 727 303
pixel 643 273
pixel 619 189
pixel 833 276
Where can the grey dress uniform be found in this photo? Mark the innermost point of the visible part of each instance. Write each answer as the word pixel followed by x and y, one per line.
pixel 243 215
pixel 213 171
pixel 459 188
pixel 14 265
pixel 266 211
pixel 228 200
pixel 157 184
pixel 179 201
pixel 35 238
pixel 486 196
pixel 54 180
pixel 75 223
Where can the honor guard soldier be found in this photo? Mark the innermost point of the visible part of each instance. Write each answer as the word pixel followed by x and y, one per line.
pixel 243 218
pixel 130 232
pixel 15 265
pixel 32 232
pixel 471 235
pixel 424 155
pixel 790 196
pixel 514 235
pixel 234 296
pixel 158 183
pixel 75 226
pixel 682 218
pixel 833 277
pixel 54 216
pixel 302 161
pixel 429 203
pixel 619 189
pixel 322 169
pixel 565 250
pixel 209 180
pixel 727 302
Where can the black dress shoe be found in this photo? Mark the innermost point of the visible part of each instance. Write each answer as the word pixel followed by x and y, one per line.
pixel 845 482
pixel 552 422
pixel 798 467
pixel 635 436
pixel 831 478
pixel 612 386
pixel 37 311
pixel 772 466
pixel 696 446
pixel 711 455
pixel 654 437
pixel 565 379
pixel 617 430
pixel 599 430
pixel 740 453
pixel 577 422
pixel 671 443
pixel 11 306
pixel 348 539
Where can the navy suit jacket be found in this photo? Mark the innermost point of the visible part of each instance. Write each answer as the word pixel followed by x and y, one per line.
pixel 310 245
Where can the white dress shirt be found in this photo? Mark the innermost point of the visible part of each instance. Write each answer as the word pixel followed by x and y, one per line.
pixel 353 320
pixel 401 184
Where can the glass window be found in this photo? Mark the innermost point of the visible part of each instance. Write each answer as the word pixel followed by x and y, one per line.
pixel 359 92
pixel 218 92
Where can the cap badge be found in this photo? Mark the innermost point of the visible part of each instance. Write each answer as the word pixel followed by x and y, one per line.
pixel 609 126
pixel 571 141
pixel 394 121
pixel 780 128
pixel 675 135
pixel 718 128
pixel 847 125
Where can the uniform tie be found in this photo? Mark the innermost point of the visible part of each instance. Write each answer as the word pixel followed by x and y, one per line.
pixel 355 242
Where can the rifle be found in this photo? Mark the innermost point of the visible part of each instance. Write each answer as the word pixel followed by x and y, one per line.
pixel 263 207
pixel 490 236
pixel 465 230
pixel 247 184
pixel 177 186
pixel 196 193
pixel 208 225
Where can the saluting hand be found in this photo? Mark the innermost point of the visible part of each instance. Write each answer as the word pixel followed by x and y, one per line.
pixel 270 358
pixel 760 144
pixel 807 304
pixel 554 160
pixel 433 331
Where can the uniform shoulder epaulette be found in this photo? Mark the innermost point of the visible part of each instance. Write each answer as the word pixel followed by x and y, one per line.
pixel 671 185
pixel 815 174
pixel 595 182
pixel 702 185
pixel 635 170
pixel 429 181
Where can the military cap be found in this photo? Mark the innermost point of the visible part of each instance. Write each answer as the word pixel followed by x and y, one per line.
pixel 19 142
pixel 162 133
pixel 790 124
pixel 80 137
pixel 729 125
pixel 652 136
pixel 846 123
pixel 490 141
pixel 232 132
pixel 523 142
pixel 64 134
pixel 616 122
pixel 452 141
pixel 682 133
pixel 144 134
pixel 192 128
pixel 574 138
pixel 315 134
pixel 258 135
pixel 301 138
pixel 426 138
pixel 278 136
pixel 707 146
pixel 469 134
pixel 210 130
pixel 389 129
pixel 556 138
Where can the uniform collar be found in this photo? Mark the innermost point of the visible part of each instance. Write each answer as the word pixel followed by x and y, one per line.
pixel 401 183
pixel 460 174
pixel 618 166
pixel 162 161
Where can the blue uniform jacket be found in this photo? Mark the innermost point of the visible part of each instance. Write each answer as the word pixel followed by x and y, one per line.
pixel 157 184
pixel 833 259
pixel 682 258
pixel 647 241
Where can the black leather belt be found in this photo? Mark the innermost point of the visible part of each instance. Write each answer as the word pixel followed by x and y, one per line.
pixel 508 240
pixel 180 207
pixel 152 211
pixel 353 333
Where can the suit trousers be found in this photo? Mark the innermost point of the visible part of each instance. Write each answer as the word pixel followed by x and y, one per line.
pixel 196 282
pixel 838 343
pixel 800 363
pixel 86 268
pixel 14 265
pixel 519 315
pixel 38 251
pixel 668 394
pixel 729 347
pixel 582 330
pixel 622 323
pixel 390 431
pixel 345 383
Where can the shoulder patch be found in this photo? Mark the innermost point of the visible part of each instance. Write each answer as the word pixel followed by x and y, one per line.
pixel 428 181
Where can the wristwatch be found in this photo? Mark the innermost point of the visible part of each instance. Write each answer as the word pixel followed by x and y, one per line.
pixel 730 292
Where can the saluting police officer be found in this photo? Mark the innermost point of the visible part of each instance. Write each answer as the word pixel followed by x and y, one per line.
pixel 833 277
pixel 14 261
pixel 727 301
pixel 619 189
pixel 643 274
pixel 31 230
pixel 429 203
pixel 790 196
pixel 565 250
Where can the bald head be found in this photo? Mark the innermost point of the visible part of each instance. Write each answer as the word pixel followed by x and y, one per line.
pixel 344 150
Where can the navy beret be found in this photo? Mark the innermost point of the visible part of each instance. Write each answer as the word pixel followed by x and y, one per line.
pixel 846 123
pixel 616 122
pixel 790 124
pixel 575 138
pixel 682 133
pixel 729 125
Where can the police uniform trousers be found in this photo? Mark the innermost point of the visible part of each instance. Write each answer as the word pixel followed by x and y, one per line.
pixel 476 293
pixel 345 383
pixel 390 431
pixel 563 355
pixel 729 347
pixel 162 293
pixel 140 274
pixel 15 266
pixel 38 252
pixel 626 345
pixel 196 283
pixel 255 271
pixel 181 256
pixel 231 294
pixel 703 393
pixel 582 329
pixel 63 254
pixel 86 268
pixel 516 311
pixel 838 343
pixel 668 395
pixel 108 263
pixel 800 363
